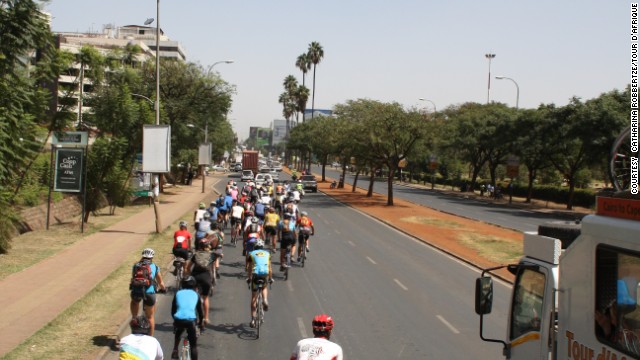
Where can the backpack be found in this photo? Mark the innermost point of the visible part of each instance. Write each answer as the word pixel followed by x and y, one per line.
pixel 142 276
pixel 201 261
pixel 304 222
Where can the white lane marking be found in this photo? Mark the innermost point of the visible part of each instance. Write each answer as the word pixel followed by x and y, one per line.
pixel 303 331
pixel 337 231
pixel 401 285
pixel 351 243
pixel 371 260
pixel 454 330
pixel 290 285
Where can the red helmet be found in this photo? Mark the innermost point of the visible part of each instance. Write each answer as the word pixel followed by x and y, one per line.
pixel 322 322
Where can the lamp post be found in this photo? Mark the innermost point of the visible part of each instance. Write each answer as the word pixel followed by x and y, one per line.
pixel 489 56
pixel 218 62
pixel 517 88
pixel 432 103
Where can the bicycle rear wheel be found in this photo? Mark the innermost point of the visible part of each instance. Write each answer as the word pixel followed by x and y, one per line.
pixel 185 350
pixel 620 160
pixel 259 314
pixel 303 250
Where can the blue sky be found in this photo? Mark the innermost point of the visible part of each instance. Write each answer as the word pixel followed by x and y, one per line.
pixel 398 50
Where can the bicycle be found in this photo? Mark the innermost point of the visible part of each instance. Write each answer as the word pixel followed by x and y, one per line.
pixel 178 263
pixel 287 257
pixel 260 284
pixel 620 160
pixel 184 349
pixel 235 231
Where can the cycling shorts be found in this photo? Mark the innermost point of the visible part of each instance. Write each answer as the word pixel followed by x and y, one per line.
pixel 302 236
pixel 235 220
pixel 222 212
pixel 147 299
pixel 256 279
pixel 287 240
pixel 270 230
pixel 203 281
pixel 181 253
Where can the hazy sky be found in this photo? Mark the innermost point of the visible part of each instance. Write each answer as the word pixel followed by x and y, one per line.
pixel 391 50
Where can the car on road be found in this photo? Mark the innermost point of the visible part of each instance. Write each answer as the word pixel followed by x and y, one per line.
pixel 274 175
pixel 336 164
pixel 309 183
pixel 237 167
pixel 247 175
pixel 219 168
pixel 261 178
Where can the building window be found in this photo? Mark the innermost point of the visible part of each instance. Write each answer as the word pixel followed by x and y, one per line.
pixel 617 316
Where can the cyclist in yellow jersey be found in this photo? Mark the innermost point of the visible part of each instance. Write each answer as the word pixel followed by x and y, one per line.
pixel 271 220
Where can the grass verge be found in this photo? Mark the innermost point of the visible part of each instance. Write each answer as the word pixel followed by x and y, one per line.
pixel 91 324
pixel 431 221
pixel 497 249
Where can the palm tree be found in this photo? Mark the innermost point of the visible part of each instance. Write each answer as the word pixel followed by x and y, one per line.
pixel 315 54
pixel 290 85
pixel 301 97
pixel 303 64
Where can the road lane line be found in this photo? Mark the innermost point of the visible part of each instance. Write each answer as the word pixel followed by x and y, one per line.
pixel 401 285
pixel 454 330
pixel 303 331
pixel 371 260
pixel 351 243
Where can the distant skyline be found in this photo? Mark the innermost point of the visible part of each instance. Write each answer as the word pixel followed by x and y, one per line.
pixel 387 50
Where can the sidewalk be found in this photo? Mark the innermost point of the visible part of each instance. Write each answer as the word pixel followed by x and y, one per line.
pixel 30 299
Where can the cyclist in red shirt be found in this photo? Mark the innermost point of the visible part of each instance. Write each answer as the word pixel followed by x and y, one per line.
pixel 305 229
pixel 182 241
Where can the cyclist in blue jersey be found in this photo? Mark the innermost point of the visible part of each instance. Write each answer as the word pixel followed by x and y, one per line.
pixel 186 310
pixel 259 268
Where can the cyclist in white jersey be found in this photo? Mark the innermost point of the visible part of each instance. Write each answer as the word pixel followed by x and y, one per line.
pixel 318 347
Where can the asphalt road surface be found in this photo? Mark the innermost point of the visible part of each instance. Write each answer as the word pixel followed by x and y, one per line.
pixel 508 217
pixel 391 297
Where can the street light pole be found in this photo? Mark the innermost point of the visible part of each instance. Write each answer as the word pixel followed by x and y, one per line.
pixel 156 177
pixel 432 103
pixel 489 56
pixel 517 88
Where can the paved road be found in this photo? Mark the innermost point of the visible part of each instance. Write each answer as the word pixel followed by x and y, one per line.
pixel 508 217
pixel 392 297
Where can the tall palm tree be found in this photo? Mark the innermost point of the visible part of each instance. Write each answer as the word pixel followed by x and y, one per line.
pixel 290 85
pixel 301 97
pixel 315 54
pixel 303 64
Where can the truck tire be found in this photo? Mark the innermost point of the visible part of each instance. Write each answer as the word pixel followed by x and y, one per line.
pixel 565 231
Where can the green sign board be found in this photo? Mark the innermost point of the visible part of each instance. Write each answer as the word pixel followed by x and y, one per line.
pixel 69 170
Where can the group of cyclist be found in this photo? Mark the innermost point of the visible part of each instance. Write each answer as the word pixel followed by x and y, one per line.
pixel 260 216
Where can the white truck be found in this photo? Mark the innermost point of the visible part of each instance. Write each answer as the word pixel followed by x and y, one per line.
pixel 575 297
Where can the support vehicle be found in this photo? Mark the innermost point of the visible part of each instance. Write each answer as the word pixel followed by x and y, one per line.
pixel 575 294
pixel 250 160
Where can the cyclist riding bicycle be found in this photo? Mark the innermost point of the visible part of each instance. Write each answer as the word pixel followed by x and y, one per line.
pixel 182 242
pixel 271 220
pixel 204 225
pixel 287 230
pixel 199 214
pixel 259 268
pixel 237 214
pixel 198 267
pixel 140 343
pixel 146 294
pixel 216 241
pixel 187 312
pixel 318 347
pixel 305 229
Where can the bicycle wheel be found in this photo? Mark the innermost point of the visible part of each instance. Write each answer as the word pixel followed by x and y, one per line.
pixel 303 250
pixel 179 271
pixel 620 160
pixel 185 350
pixel 259 313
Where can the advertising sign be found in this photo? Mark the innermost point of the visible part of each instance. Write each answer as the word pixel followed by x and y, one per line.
pixel 70 138
pixel 68 171
pixel 156 148
pixel 204 154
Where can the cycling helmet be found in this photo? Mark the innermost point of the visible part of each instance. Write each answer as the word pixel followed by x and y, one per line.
pixel 189 282
pixel 206 216
pixel 201 206
pixel 183 224
pixel 148 253
pixel 140 325
pixel 213 203
pixel 322 323
pixel 304 213
pixel 259 243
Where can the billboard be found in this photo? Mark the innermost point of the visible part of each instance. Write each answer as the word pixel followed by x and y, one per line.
pixel 279 131
pixel 316 113
pixel 263 137
pixel 68 170
pixel 253 132
pixel 156 148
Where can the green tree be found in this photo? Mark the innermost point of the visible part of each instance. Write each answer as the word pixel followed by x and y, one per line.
pixel 315 55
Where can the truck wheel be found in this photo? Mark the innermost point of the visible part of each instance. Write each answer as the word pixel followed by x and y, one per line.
pixel 565 231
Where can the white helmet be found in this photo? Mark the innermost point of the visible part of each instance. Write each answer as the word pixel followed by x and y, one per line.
pixel 259 243
pixel 148 253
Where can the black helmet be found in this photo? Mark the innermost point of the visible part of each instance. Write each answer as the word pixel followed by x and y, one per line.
pixel 189 282
pixel 140 325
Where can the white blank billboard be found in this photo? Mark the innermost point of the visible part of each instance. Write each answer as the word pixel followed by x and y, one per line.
pixel 156 148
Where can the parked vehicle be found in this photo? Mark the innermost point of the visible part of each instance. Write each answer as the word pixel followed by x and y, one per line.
pixel 219 168
pixel 575 293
